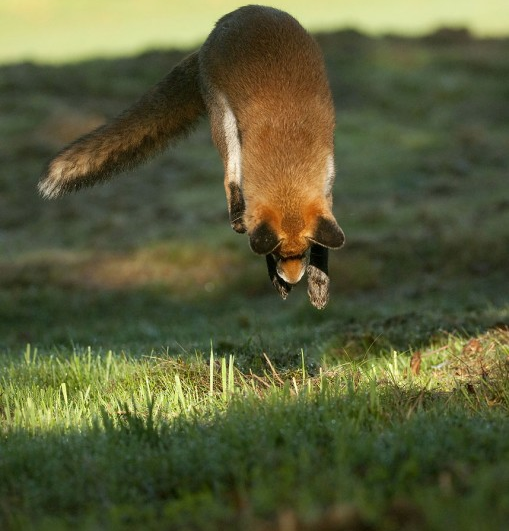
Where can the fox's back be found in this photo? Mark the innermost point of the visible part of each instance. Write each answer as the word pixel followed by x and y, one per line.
pixel 263 59
pixel 261 51
pixel 272 74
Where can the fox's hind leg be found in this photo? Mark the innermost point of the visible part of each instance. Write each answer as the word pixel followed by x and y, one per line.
pixel 226 136
pixel 318 276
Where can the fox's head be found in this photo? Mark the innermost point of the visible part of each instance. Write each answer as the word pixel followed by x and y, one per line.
pixel 288 237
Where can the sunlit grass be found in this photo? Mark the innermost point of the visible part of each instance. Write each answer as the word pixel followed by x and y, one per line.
pixel 60 389
pixel 86 434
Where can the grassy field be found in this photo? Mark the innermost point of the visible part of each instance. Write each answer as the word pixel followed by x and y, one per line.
pixel 166 386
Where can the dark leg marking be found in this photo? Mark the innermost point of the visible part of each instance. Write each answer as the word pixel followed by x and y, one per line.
pixel 237 208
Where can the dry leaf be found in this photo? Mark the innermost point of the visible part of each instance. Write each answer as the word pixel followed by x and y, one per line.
pixel 415 363
pixel 473 346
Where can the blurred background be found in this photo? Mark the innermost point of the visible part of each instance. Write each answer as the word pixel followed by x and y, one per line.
pixel 148 260
pixel 60 30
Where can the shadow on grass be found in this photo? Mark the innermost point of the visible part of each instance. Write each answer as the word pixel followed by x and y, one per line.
pixel 248 320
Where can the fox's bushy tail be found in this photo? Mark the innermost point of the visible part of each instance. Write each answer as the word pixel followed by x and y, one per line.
pixel 164 114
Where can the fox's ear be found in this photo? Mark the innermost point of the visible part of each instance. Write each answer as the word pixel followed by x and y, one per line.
pixel 328 233
pixel 263 240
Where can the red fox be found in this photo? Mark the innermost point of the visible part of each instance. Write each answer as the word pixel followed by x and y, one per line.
pixel 260 77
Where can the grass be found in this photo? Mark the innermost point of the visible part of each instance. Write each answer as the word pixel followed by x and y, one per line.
pixel 165 385
pixel 156 442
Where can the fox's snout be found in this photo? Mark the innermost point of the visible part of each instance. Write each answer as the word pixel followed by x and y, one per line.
pixel 291 269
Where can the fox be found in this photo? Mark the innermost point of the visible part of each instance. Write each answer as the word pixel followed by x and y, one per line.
pixel 260 77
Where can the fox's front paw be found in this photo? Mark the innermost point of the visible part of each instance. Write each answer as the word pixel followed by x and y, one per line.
pixel 282 287
pixel 318 287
